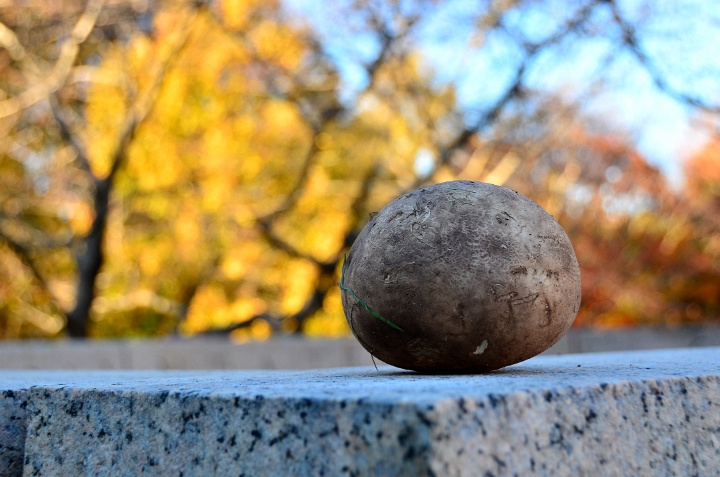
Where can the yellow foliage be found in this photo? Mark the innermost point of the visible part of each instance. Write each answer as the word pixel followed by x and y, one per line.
pixel 240 336
pixel 209 308
pixel 273 41
pixel 280 118
pixel 299 278
pixel 239 260
pixel 216 192
pixel 187 228
pixel 244 308
pixel 81 217
pixel 242 135
pixel 176 86
pixel 323 141
pixel 242 126
pixel 150 262
pixel 330 321
pixel 236 13
pixel 242 216
pixel 325 233
pixel 260 330
pixel 105 114
pixel 140 53
pixel 233 267
pixel 154 162
pixel 444 175
pixel 250 167
pixel 316 190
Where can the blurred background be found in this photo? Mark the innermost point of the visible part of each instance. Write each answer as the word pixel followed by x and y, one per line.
pixel 199 168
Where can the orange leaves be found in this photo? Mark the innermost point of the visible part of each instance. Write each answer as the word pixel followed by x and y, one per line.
pixel 249 175
pixel 706 162
pixel 81 217
pixel 702 172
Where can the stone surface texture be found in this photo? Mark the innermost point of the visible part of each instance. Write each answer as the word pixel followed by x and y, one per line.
pixel 631 413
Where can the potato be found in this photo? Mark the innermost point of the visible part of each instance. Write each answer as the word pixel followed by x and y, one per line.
pixel 460 277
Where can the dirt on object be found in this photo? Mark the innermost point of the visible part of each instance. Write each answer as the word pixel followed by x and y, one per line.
pixel 461 276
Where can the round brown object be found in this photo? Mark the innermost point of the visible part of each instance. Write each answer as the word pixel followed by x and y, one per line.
pixel 460 277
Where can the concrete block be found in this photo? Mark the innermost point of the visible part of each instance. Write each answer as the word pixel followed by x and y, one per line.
pixel 71 354
pixel 561 347
pixel 279 353
pixel 589 340
pixel 631 413
pixel 298 352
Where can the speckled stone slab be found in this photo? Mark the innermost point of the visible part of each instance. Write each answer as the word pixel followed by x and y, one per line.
pixel 631 413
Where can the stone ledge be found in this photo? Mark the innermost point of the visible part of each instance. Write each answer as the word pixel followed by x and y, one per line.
pixel 630 413
pixel 300 353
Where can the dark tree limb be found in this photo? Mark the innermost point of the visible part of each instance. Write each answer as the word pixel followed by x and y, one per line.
pixel 58 74
pixel 515 90
pixel 387 41
pixel 631 41
pixel 71 138
pixel 91 255
pixel 24 255
pixel 279 243
pixel 327 271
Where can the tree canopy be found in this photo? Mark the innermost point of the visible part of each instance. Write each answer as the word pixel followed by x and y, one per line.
pixel 174 167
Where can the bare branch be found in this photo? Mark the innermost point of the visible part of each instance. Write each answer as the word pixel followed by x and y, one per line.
pixel 60 71
pixel 71 138
pixel 143 107
pixel 34 238
pixel 273 320
pixel 513 91
pixel 18 53
pixel 266 227
pixel 137 300
pixel 90 263
pixel 387 42
pixel 327 271
pixel 24 255
pixel 630 39
pixel 296 191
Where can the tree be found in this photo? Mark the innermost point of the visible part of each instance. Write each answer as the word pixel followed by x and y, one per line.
pixel 192 167
pixel 28 112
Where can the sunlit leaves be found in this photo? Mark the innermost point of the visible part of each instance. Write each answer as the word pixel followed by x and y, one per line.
pixel 241 187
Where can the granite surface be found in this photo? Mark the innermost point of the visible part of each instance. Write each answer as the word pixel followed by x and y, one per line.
pixel 629 413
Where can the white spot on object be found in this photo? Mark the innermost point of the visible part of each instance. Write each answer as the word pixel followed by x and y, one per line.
pixel 481 349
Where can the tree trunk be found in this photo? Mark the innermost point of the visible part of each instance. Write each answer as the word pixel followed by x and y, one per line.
pixel 89 262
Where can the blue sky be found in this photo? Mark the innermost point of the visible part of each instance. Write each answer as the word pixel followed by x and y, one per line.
pixel 682 39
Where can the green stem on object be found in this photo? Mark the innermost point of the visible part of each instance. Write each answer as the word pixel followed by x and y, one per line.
pixel 374 313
